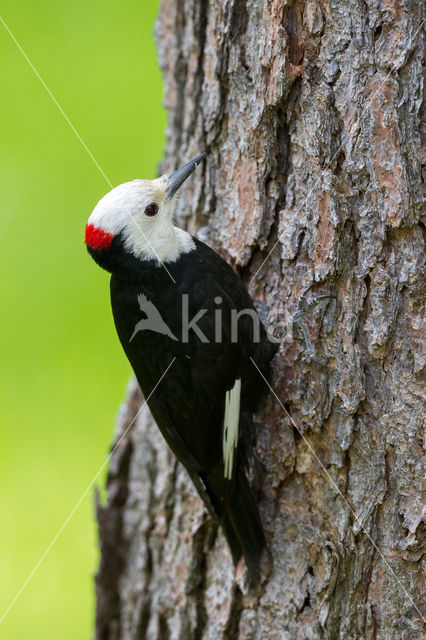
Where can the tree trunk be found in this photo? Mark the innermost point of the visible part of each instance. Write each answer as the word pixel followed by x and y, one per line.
pixel 309 111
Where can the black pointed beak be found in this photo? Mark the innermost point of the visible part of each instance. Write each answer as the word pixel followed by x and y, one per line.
pixel 177 178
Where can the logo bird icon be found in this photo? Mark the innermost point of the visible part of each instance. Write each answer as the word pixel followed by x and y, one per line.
pixel 153 321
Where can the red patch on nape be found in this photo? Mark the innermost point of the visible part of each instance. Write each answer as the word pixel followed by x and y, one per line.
pixel 97 238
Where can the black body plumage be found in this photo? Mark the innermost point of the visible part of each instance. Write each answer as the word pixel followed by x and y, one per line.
pixel 189 403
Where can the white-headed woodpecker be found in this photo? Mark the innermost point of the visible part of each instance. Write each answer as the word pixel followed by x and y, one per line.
pixel 178 306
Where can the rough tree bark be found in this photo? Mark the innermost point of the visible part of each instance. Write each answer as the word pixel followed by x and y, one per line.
pixel 309 111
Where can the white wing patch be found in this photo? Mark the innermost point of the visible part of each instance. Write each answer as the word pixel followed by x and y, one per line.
pixel 230 426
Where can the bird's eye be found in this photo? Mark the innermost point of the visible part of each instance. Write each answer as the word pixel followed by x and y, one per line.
pixel 151 209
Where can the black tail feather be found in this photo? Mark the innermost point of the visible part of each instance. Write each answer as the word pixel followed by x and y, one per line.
pixel 242 526
pixel 232 539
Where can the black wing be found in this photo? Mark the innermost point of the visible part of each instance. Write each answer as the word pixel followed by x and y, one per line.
pixel 188 405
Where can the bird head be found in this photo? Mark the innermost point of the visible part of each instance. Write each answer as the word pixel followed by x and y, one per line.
pixel 138 216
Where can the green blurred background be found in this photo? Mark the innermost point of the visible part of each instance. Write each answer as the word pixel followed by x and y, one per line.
pixel 63 374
